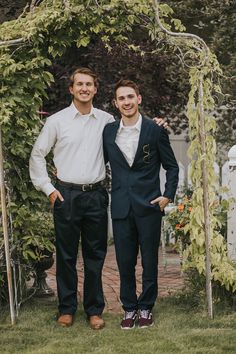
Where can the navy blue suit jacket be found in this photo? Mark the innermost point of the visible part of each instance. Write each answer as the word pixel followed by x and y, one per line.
pixel 137 185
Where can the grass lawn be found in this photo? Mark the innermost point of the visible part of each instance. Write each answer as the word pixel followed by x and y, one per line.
pixel 176 330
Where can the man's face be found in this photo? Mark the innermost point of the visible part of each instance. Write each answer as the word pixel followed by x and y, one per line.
pixel 83 88
pixel 127 101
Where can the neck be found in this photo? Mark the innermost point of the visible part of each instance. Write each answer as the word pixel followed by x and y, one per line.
pixel 83 108
pixel 129 121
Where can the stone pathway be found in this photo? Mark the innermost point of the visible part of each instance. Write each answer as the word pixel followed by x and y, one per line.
pixel 169 279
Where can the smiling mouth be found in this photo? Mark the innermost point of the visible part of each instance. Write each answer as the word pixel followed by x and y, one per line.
pixel 84 94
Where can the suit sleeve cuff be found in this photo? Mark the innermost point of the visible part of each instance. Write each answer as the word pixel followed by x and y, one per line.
pixel 171 199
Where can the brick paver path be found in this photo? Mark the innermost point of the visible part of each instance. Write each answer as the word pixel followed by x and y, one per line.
pixel 169 279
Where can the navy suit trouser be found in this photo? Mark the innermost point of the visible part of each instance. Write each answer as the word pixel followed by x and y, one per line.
pixel 81 215
pixel 130 235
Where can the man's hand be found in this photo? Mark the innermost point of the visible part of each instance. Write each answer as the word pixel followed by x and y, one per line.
pixel 161 122
pixel 54 195
pixel 162 201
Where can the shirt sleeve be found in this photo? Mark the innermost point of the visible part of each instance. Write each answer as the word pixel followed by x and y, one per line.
pixel 110 119
pixel 37 163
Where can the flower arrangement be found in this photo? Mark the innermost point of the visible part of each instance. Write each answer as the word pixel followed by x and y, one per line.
pixel 177 220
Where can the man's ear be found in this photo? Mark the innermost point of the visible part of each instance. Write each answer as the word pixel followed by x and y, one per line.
pixel 71 90
pixel 114 102
pixel 139 99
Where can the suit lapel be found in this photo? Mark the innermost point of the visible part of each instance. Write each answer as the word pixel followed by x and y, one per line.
pixel 142 139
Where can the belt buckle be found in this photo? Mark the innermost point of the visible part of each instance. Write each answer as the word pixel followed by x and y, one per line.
pixel 84 187
pixel 87 187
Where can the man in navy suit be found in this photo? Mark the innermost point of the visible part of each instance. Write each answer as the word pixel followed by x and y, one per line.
pixel 136 148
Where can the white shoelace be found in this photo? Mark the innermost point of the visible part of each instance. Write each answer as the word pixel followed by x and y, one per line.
pixel 129 314
pixel 145 314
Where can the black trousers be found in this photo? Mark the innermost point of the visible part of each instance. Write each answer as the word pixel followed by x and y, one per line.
pixel 81 214
pixel 130 235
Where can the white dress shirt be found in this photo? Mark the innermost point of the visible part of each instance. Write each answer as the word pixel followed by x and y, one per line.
pixel 77 145
pixel 127 139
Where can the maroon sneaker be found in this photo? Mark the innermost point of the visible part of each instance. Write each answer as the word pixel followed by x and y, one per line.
pixel 145 319
pixel 129 319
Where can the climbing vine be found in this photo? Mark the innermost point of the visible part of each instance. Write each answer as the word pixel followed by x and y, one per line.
pixel 222 269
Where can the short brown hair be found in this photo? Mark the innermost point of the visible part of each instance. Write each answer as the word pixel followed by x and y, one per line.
pixel 85 71
pixel 126 83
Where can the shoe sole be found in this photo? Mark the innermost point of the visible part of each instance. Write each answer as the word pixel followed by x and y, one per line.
pixel 141 327
pixel 64 324
pixel 96 328
pixel 127 328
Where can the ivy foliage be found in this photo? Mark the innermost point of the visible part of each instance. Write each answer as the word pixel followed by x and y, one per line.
pixel 223 271
pixel 44 35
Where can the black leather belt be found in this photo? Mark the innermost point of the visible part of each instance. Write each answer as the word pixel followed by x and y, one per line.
pixel 82 187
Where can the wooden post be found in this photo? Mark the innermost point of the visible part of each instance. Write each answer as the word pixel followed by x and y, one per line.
pixel 231 228
pixel 205 200
pixel 5 235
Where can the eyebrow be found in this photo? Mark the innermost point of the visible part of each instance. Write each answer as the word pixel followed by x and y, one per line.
pixel 129 96
pixel 81 82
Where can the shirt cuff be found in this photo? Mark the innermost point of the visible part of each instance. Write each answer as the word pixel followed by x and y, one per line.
pixel 48 189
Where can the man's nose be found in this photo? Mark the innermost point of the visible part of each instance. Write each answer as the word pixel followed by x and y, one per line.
pixel 84 87
pixel 126 101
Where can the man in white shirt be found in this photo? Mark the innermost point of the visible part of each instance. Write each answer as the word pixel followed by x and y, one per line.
pixel 136 148
pixel 79 197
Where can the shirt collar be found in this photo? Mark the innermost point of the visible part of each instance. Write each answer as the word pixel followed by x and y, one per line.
pixel 136 126
pixel 75 113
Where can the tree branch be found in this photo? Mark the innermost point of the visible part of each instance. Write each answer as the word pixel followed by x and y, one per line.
pixel 34 4
pixel 12 42
pixel 18 41
pixel 156 4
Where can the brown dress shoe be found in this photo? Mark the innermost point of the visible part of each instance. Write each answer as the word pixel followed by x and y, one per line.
pixel 65 320
pixel 96 322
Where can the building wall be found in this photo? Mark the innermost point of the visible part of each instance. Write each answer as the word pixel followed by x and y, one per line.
pixel 180 147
